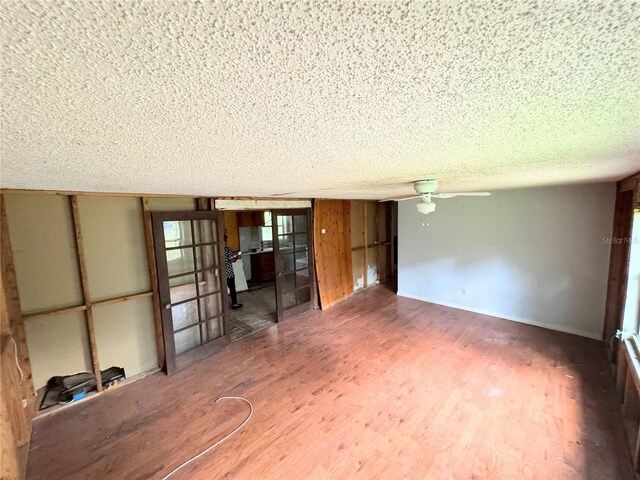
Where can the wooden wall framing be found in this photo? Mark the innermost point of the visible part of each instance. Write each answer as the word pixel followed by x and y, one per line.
pixel 15 419
pixel 371 233
pixel 87 305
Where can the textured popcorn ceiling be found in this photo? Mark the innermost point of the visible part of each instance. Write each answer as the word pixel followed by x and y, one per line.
pixel 325 98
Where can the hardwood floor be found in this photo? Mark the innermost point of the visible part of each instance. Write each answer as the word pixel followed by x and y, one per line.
pixel 376 387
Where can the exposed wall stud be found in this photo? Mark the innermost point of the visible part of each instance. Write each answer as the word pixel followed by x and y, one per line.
pixel 86 296
pixel 153 280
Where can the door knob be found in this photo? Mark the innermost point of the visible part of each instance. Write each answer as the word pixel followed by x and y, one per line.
pixel 167 306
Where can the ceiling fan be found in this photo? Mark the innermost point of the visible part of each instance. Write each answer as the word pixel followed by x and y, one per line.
pixel 426 190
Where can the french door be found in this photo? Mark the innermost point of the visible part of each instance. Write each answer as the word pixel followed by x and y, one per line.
pixel 293 250
pixel 189 250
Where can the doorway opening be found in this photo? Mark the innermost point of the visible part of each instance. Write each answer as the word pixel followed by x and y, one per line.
pixel 273 275
pixel 251 234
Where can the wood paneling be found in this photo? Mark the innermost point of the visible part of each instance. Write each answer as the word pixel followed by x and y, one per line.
pixel 618 263
pixel 231 229
pixel 16 420
pixel 377 387
pixel 332 245
pixel 9 468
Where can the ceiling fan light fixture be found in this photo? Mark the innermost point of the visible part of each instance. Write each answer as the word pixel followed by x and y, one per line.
pixel 425 207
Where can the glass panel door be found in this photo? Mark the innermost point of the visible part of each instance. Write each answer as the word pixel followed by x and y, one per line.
pixel 293 249
pixel 193 299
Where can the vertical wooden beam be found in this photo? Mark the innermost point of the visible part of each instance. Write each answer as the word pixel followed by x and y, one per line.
pixel 366 249
pixel 203 203
pixel 84 283
pixel 153 279
pixel 12 311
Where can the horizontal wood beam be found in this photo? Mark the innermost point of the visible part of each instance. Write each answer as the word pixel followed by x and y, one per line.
pixel 54 311
pixel 81 308
pixel 69 193
pixel 122 298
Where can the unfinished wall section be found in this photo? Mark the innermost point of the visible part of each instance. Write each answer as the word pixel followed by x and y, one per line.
pixel 371 243
pixel 87 286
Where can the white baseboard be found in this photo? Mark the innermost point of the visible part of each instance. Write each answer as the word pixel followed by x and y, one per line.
pixel 550 326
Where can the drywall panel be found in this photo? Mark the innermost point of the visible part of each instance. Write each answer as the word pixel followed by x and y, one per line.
pixel 332 248
pixel 372 266
pixel 114 245
pixel 43 251
pixel 166 204
pixel 125 336
pixel 357 267
pixel 372 227
pixel 357 223
pixel 537 256
pixel 58 345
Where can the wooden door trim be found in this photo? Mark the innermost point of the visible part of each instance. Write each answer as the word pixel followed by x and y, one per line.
pixel 310 305
pixel 172 363
pixel 618 266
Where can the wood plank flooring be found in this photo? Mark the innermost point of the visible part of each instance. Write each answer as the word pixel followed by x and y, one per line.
pixel 376 387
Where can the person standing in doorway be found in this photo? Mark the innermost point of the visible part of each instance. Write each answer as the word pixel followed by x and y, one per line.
pixel 229 259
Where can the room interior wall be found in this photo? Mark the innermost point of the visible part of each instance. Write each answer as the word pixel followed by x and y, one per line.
pixel 43 251
pixel 371 243
pixel 536 255
pixel 332 249
pixel 114 245
pixel 58 345
pixel 116 262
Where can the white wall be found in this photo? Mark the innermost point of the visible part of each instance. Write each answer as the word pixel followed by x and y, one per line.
pixel 536 255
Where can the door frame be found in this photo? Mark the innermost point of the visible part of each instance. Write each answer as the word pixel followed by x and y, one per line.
pixel 175 363
pixel 305 307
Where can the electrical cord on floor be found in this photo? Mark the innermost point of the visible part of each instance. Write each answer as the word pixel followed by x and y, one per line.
pixel 15 351
pixel 229 435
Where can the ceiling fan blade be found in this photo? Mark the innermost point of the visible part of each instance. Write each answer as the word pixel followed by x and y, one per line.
pixel 464 194
pixel 400 199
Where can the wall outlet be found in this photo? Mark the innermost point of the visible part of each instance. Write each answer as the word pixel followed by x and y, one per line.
pixel 323 231
pixel 463 291
pixel 24 403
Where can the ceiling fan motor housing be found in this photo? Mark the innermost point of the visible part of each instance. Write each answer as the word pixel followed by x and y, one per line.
pixel 426 186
